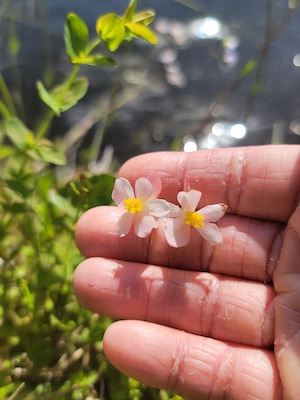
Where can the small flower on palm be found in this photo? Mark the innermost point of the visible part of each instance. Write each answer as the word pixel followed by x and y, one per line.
pixel 141 205
pixel 178 229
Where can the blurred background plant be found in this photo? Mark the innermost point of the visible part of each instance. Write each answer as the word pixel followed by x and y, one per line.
pixel 51 348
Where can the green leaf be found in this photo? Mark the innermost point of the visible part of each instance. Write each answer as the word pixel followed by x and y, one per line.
pixel 76 36
pixel 18 133
pixel 62 204
pixel 48 152
pixel 67 98
pixel 16 208
pixel 94 60
pixel 129 13
pixel 22 185
pixel 7 390
pixel 47 98
pixel 63 98
pixel 111 30
pixel 87 192
pixel 139 30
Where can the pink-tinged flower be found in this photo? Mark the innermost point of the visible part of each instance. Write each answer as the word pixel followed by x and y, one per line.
pixel 141 206
pixel 178 229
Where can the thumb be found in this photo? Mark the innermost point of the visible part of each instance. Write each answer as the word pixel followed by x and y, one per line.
pixel 287 309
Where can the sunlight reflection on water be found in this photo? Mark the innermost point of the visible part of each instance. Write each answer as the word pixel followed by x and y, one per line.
pixel 212 79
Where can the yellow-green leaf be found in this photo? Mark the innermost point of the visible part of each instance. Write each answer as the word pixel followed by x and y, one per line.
pixel 66 99
pixel 139 30
pixel 111 30
pixel 62 98
pixel 47 98
pixel 48 152
pixel 129 13
pixel 76 36
pixel 94 60
pixel 17 132
pixel 143 17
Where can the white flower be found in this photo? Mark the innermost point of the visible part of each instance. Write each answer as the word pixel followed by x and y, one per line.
pixel 178 229
pixel 142 208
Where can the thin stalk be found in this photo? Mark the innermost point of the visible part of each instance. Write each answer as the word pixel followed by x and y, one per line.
pixel 93 45
pixel 4 91
pixel 259 74
pixel 16 72
pixel 17 391
pixel 98 138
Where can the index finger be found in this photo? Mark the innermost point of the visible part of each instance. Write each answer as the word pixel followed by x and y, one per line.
pixel 260 182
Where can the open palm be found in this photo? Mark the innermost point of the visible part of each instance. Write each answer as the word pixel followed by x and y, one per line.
pixel 209 322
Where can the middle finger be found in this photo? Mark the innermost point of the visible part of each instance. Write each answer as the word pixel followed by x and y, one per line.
pixel 250 247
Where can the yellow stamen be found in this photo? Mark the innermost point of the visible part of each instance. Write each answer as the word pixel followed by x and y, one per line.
pixel 194 219
pixel 133 205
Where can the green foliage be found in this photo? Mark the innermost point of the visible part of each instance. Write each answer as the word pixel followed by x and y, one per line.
pixel 111 29
pixel 114 29
pixel 51 348
pixel 77 44
pixel 64 96
pixel 37 149
pixel 76 36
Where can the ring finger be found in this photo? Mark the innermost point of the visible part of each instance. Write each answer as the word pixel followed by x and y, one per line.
pixel 202 303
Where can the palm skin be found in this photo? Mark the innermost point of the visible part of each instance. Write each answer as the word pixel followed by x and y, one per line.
pixel 205 322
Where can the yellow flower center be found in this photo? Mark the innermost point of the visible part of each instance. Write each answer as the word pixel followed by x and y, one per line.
pixel 133 205
pixel 194 219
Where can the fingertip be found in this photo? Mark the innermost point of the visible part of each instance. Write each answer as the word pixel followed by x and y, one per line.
pixel 94 226
pixel 134 347
pixel 115 344
pixel 111 336
pixel 81 279
pixel 81 230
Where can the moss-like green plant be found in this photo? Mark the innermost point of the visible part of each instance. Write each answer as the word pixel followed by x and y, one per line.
pixel 51 348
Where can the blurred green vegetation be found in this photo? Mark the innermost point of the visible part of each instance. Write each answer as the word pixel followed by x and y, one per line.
pixel 50 347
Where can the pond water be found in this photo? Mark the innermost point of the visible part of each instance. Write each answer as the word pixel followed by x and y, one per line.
pixel 224 73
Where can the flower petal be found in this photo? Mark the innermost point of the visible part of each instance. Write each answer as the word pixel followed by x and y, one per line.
pixel 122 190
pixel 143 189
pixel 124 223
pixel 177 232
pixel 174 210
pixel 189 200
pixel 211 233
pixel 213 212
pixel 156 184
pixel 158 208
pixel 143 225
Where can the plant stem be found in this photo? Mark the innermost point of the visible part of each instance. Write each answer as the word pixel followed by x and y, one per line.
pixel 43 129
pixel 93 45
pixel 6 96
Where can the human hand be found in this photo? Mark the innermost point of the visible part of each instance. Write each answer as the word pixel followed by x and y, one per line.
pixel 205 322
